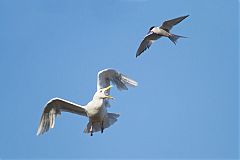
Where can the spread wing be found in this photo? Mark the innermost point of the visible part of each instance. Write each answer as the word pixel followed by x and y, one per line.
pixel 146 42
pixel 106 76
pixel 167 25
pixel 53 108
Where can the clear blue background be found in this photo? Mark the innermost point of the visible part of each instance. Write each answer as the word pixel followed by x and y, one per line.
pixel 186 105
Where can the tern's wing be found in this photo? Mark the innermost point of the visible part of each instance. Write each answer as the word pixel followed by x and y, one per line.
pixel 147 42
pixel 106 76
pixel 53 108
pixel 167 25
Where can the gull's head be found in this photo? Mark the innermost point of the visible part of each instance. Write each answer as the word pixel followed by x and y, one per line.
pixel 103 93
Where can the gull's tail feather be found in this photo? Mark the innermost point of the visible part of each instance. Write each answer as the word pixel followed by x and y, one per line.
pixel 108 121
pixel 174 38
pixel 96 127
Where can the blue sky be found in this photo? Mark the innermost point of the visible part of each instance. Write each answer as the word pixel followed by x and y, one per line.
pixel 186 105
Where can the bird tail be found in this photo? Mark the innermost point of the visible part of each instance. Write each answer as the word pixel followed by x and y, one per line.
pixel 108 121
pixel 174 38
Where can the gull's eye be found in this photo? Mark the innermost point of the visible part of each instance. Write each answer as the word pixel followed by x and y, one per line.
pixel 100 91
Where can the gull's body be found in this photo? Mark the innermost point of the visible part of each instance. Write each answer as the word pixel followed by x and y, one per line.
pixel 95 110
pixel 156 32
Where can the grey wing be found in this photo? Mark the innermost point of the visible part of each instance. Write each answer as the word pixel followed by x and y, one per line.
pixel 53 108
pixel 146 43
pixel 107 76
pixel 167 25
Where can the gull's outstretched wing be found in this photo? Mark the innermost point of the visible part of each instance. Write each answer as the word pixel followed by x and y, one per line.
pixel 106 76
pixel 167 25
pixel 53 108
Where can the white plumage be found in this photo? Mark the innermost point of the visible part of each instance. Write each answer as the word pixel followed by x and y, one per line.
pixel 95 110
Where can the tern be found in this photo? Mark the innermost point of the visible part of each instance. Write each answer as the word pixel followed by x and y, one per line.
pixel 156 32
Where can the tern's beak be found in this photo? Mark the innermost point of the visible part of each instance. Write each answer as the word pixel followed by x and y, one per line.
pixel 106 89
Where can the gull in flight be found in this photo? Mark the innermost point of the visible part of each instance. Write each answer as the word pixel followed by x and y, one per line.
pixel 95 110
pixel 155 33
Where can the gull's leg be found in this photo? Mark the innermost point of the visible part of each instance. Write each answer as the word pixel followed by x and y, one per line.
pixel 102 128
pixel 91 130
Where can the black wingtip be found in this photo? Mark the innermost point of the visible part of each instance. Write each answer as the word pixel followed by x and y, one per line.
pixel 137 54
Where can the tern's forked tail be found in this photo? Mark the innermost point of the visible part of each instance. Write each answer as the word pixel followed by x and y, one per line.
pixel 174 38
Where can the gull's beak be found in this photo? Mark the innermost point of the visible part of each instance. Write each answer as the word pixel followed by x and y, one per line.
pixel 109 97
pixel 106 89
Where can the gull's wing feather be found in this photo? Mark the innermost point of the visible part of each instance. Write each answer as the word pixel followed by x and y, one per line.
pixel 167 25
pixel 106 76
pixel 53 108
pixel 110 75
